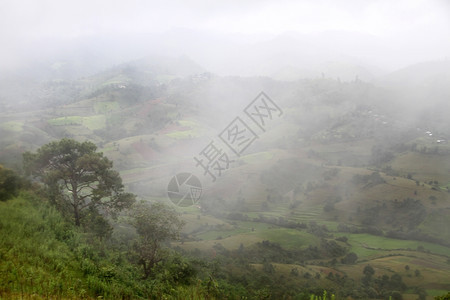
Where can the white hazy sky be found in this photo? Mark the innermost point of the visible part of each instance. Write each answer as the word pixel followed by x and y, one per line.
pixel 28 19
pixel 418 28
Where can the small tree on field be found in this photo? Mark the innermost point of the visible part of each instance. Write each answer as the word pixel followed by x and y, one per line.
pixel 79 176
pixel 368 271
pixel 155 225
pixel 350 258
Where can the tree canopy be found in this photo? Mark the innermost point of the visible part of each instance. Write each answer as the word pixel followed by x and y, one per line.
pixel 155 224
pixel 9 183
pixel 82 177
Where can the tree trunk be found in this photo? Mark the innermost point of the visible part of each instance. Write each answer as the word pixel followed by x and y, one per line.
pixel 76 211
pixel 76 215
pixel 147 270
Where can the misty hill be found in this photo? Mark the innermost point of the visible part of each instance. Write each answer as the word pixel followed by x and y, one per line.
pixel 301 55
pixel 341 172
pixel 431 74
pixel 421 93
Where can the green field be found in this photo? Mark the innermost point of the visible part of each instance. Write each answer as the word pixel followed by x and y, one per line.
pixel 366 245
pixel 192 130
pixel 119 79
pixel 437 221
pixel 289 238
pixel 14 126
pixel 242 232
pixel 92 122
pixel 64 121
pixel 188 123
pixel 184 134
pixel 255 158
pixel 106 107
pixel 435 293
pixel 423 167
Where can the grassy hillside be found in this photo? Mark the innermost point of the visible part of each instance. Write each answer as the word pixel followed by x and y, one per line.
pixel 43 256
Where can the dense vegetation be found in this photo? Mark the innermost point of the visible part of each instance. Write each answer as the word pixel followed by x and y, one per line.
pixel 44 253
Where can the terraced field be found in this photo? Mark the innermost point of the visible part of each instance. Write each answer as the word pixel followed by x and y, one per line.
pixel 93 122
